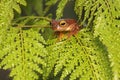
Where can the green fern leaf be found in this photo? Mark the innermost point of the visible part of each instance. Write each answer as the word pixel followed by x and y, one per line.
pixel 16 7
pixel 23 2
pixel 59 11
pixel 49 3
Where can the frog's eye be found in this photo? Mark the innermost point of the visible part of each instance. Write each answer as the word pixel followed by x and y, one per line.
pixel 63 23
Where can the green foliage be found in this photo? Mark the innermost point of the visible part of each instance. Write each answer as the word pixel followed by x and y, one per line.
pixel 48 4
pixel 83 57
pixel 33 5
pixel 107 27
pixel 59 11
pixel 22 51
pixel 31 52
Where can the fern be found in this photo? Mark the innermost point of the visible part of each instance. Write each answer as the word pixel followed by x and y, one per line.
pixel 106 24
pixel 31 52
pixel 26 53
pixel 6 15
pixel 81 57
pixel 21 50
pixel 93 52
pixel 49 3
pixel 59 11
pixel 107 27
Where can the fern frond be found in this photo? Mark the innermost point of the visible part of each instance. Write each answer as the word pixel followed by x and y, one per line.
pixel 81 57
pixel 106 14
pixel 109 35
pixel 88 7
pixel 49 3
pixel 107 28
pixel 26 54
pixel 31 22
pixel 60 9
pixel 6 14
pixel 51 58
pixel 22 51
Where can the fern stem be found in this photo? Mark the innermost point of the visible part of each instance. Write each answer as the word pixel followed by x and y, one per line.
pixel 18 24
pixel 22 52
pixel 31 26
pixel 33 17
